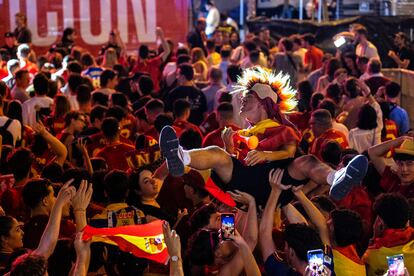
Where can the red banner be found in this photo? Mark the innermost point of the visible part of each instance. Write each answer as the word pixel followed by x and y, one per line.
pixel 93 20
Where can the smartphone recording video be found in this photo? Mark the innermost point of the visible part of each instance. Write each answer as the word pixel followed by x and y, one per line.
pixel 315 261
pixel 396 265
pixel 339 41
pixel 227 226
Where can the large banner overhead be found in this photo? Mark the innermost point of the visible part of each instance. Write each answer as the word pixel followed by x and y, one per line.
pixel 93 20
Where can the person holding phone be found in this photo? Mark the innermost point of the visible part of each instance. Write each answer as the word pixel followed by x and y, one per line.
pixel 226 252
pixel 392 235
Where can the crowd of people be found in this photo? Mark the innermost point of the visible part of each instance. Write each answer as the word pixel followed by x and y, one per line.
pixel 307 149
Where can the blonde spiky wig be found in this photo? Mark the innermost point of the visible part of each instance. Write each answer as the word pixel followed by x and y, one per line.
pixel 267 84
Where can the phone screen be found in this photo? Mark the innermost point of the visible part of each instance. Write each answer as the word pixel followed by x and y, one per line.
pixel 339 41
pixel 396 264
pixel 227 226
pixel 315 261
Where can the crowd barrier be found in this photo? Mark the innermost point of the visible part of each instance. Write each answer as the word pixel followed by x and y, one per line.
pixel 405 78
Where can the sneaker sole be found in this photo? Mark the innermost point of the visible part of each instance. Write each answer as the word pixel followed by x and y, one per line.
pixel 352 176
pixel 169 148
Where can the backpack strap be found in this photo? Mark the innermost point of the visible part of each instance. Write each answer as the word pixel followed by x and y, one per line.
pixel 7 124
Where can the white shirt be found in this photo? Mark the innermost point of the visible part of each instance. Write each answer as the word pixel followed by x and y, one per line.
pixel 169 67
pixel 15 128
pixel 29 111
pixel 368 51
pixel 363 139
pixel 212 20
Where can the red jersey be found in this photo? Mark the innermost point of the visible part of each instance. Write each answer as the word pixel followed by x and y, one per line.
pixel 151 66
pixel 12 203
pixel 359 200
pixel 31 67
pixel 209 124
pixel 314 55
pixel 97 141
pixel 300 119
pixel 128 127
pixel 272 137
pixel 391 183
pixel 146 155
pixel 56 125
pixel 180 126
pixel 152 132
pixel 391 130
pixel 329 135
pixel 114 155
pixel 214 137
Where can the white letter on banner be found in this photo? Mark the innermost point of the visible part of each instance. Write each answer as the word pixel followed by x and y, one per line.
pixel 85 22
pixel 68 19
pixel 145 32
pixel 51 24
pixel 14 7
pixel 122 20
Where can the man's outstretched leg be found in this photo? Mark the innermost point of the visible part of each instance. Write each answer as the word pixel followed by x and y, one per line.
pixel 341 181
pixel 211 157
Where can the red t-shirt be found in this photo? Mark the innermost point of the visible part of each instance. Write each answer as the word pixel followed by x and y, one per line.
pixel 314 55
pixel 128 128
pixel 34 228
pixel 31 67
pixel 329 135
pixel 214 137
pixel 180 126
pixel 209 124
pixel 358 200
pixel 300 119
pixel 391 130
pixel 391 183
pixel 55 124
pixel 97 141
pixel 12 203
pixel 151 66
pixel 114 155
pixel 146 155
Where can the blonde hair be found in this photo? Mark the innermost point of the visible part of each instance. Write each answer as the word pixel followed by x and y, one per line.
pixel 110 58
pixel 197 54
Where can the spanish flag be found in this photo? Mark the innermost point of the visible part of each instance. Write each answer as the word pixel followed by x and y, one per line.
pixel 143 240
pixel 347 261
pixel 392 242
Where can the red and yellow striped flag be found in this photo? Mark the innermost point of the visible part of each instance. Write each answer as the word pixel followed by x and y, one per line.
pixel 143 240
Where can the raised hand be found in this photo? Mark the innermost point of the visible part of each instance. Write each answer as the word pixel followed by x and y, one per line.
pixel 66 193
pixel 172 240
pixel 39 128
pixel 275 180
pixel 82 196
pixel 242 197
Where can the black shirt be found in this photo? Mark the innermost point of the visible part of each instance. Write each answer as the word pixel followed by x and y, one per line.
pixel 23 35
pixel 196 98
pixel 406 53
pixel 11 51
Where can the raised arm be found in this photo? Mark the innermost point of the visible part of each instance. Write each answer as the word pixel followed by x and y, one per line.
pixel 250 232
pixel 164 55
pixel 50 236
pixel 266 224
pixel 55 144
pixel 80 202
pixel 83 256
pixel 377 152
pixel 172 240
pixel 314 214
pixel 293 215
